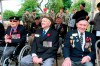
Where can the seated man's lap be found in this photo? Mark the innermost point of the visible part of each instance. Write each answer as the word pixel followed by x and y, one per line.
pixel 48 62
pixel 79 64
pixel 88 64
pixel 27 61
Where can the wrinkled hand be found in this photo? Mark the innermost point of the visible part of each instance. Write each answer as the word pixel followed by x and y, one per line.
pixel 40 60
pixel 35 59
pixel 67 62
pixel 85 59
pixel 8 40
pixel 7 36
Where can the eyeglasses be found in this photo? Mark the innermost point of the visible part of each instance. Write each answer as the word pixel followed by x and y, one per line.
pixel 13 20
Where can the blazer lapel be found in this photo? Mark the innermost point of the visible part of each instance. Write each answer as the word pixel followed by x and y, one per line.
pixel 46 36
pixel 78 45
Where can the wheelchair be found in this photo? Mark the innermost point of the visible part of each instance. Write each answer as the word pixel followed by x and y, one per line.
pixel 15 57
pixel 97 52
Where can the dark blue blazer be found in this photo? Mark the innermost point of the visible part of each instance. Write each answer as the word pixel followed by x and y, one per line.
pixel 20 30
pixel 42 51
pixel 76 53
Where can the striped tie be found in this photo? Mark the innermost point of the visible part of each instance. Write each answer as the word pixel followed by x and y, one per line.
pixel 81 38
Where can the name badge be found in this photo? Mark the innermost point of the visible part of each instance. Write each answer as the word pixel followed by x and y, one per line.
pixel 15 36
pixel 47 43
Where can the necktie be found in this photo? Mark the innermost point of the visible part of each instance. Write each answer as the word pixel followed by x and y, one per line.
pixel 43 33
pixel 12 31
pixel 81 38
pixel 58 26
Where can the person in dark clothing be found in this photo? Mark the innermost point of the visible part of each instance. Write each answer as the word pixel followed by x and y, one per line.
pixel 35 25
pixel 96 29
pixel 14 35
pixel 79 46
pixel 44 46
pixel 2 31
pixel 81 13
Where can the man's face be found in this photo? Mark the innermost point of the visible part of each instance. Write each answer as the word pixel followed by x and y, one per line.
pixel 34 12
pixel 81 7
pixel 58 20
pixel 37 21
pixel 14 23
pixel 27 12
pixel 82 25
pixel 45 23
pixel 99 8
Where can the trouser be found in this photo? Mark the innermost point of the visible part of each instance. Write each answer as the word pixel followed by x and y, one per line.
pixel 7 53
pixel 79 64
pixel 27 61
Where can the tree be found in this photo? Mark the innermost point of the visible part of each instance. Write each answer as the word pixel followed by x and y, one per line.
pixel 67 3
pixel 55 4
pixel 28 4
pixel 77 5
pixel 7 14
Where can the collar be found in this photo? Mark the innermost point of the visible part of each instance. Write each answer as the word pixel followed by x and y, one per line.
pixel 46 30
pixel 79 33
pixel 14 28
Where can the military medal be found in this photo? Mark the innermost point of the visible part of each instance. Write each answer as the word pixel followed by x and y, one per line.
pixel 72 41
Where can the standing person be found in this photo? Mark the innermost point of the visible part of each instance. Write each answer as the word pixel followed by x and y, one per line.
pixel 79 46
pixel 66 17
pixel 44 46
pixel 71 22
pixel 52 14
pixel 33 16
pixel 14 35
pixel 61 14
pixel 26 18
pixel 81 13
pixel 97 24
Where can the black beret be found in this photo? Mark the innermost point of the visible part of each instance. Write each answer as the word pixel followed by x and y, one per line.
pixel 81 18
pixel 34 10
pixel 14 18
pixel 98 5
pixel 37 18
pixel 83 4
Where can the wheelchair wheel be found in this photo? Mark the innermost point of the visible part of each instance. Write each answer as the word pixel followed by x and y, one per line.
pixel 25 51
pixel 9 62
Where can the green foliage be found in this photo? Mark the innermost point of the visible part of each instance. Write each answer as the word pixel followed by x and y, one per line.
pixel 67 3
pixel 27 5
pixel 7 14
pixel 56 5
pixel 77 5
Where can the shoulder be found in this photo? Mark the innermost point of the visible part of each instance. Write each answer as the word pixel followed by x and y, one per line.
pixel 90 34
pixel 21 27
pixel 73 32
